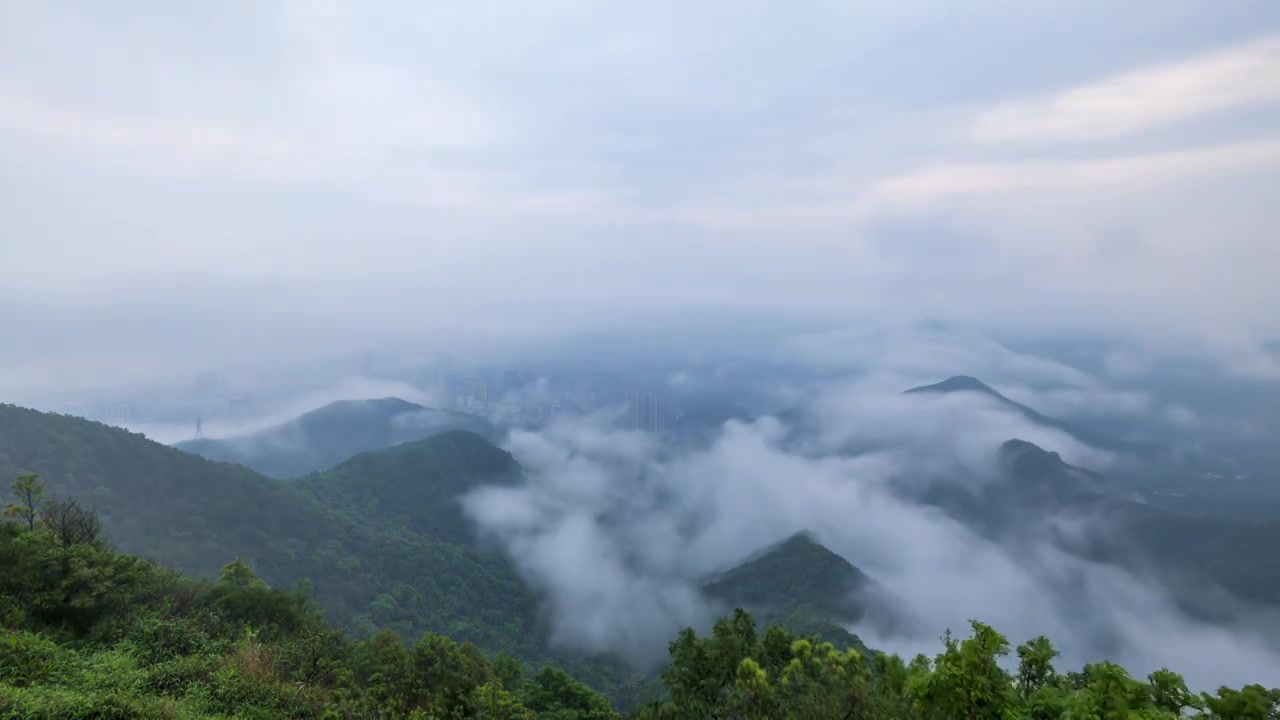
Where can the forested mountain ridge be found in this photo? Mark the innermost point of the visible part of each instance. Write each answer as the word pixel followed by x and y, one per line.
pixel 319 439
pixel 797 566
pixel 417 484
pixel 1190 552
pixel 404 564
pixel 193 514
pixel 1082 433
pixel 1196 556
pixel 89 634
pixel 801 586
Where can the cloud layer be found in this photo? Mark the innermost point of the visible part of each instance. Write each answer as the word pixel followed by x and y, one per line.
pixel 619 532
pixel 279 179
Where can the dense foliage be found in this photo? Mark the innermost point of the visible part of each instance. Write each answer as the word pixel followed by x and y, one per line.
pixel 368 565
pixel 88 633
pixel 800 586
pixel 738 673
pixel 379 544
pixel 380 540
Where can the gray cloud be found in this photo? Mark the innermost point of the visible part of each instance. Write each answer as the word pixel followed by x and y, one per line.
pixel 297 403
pixel 324 175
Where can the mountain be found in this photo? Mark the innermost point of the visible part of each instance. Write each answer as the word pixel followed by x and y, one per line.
pixel 796 568
pixel 1197 556
pixel 799 585
pixel 416 485
pixel 1029 485
pixel 326 436
pixel 367 566
pixel 1081 433
pixel 1038 478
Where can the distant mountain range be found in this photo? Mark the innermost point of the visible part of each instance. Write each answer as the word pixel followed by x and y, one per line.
pixel 382 541
pixel 1082 433
pixel 1195 555
pixel 326 436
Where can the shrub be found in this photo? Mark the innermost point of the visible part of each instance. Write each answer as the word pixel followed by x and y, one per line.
pixel 27 658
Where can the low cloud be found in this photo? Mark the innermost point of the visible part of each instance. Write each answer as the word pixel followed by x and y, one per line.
pixel 618 531
pixel 216 426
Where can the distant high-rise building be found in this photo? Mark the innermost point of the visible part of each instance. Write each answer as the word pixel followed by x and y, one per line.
pixel 646 411
pixel 112 412
pixel 477 393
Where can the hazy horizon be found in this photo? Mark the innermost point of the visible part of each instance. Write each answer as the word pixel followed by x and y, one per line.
pixel 255 185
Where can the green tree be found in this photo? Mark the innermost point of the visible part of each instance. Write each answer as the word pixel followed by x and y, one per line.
pixel 823 683
pixel 753 697
pixel 1252 702
pixel 383 666
pixel 1035 665
pixel 492 702
pixel 508 671
pixel 553 695
pixel 243 598
pixel 702 672
pixel 1169 692
pixel 1109 692
pixel 237 573
pixel 28 492
pixel 966 679
pixel 446 675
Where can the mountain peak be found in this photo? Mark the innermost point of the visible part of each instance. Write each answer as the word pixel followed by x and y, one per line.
pixel 327 435
pixel 463 448
pixel 800 585
pixel 375 406
pixel 958 383
pixel 1043 476
pixel 1022 457
pixel 420 482
pixel 811 570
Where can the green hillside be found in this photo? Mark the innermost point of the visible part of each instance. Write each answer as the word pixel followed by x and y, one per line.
pixel 326 436
pixel 415 485
pixel 799 585
pixel 366 570
pixel 88 634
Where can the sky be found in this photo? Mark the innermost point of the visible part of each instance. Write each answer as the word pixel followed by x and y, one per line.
pixel 193 185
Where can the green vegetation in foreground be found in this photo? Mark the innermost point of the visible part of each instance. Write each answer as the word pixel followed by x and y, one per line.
pixel 380 540
pixel 396 560
pixel 88 633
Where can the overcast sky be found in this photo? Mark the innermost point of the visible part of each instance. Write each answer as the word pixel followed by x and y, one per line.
pixel 186 183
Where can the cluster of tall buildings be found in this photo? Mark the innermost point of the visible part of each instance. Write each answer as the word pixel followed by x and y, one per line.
pixel 647 411
pixel 476 392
